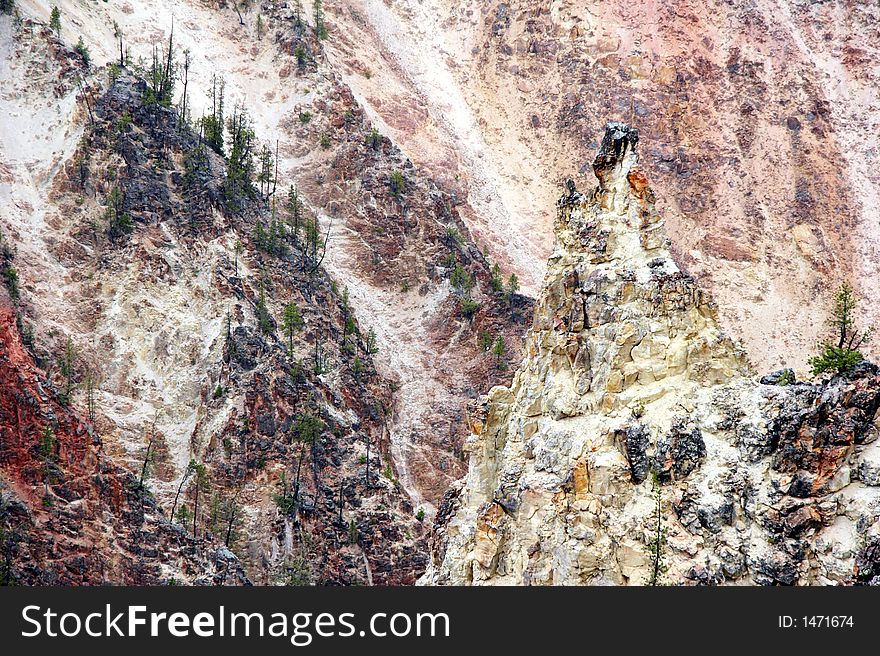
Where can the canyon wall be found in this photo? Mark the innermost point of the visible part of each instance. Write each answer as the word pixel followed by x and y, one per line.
pixel 636 445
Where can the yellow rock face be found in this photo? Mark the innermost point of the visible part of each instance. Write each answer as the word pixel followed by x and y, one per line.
pixel 629 371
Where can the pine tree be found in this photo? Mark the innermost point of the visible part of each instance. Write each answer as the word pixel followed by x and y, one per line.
pixel 264 319
pixel 266 176
pixel 843 355
pixel 240 165
pixel 10 276
pixel 161 75
pixel 261 237
pixel 184 119
pixel 213 125
pixel 294 212
pixel 499 350
pixel 301 57
pixel 117 34
pixel 512 287
pixel 375 139
pixel 7 7
pixel 485 340
pixel 230 512
pixel 496 283
pixel 348 329
pixel 239 248
pixel 320 27
pixel 116 218
pixel 372 346
pixel 291 321
pixel 55 21
pixel 461 279
pixel 83 51
pixel 397 183
pixel 202 484
pixel 91 383
pixel 149 458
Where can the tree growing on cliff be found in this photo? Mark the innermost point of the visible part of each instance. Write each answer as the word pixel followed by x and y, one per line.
pixel 117 220
pixel 264 319
pixel 267 177
pixel 184 119
pixel 316 245
pixel 10 277
pixel 657 543
pixel 468 306
pixel 230 513
pixel 512 287
pixel 202 484
pixel 499 350
pixel 212 125
pixel 149 455
pixel 398 184
pixel 461 279
pixel 320 26
pixel 496 282
pixel 117 34
pixel 161 74
pixel 91 381
pixel 83 51
pixel 291 321
pixel 374 140
pixel 842 354
pixel 187 472
pixel 347 321
pixel 294 207
pixel 238 249
pixel 372 342
pixel 240 163
pixel 55 20
pixel 485 340
pixel 307 431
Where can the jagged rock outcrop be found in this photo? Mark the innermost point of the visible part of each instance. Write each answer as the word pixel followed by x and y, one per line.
pixel 631 398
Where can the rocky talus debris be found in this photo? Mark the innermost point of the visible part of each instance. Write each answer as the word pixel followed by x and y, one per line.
pixel 630 396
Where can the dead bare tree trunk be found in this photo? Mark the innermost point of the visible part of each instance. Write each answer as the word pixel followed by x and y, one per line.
pixel 186 473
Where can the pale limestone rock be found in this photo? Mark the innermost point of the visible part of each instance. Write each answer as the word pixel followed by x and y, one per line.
pixel 623 338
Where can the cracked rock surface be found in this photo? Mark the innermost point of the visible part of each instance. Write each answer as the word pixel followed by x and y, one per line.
pixel 630 396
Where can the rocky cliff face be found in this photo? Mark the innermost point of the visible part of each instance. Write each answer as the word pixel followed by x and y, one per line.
pixel 174 322
pixel 394 248
pixel 754 113
pixel 635 446
pixel 68 514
